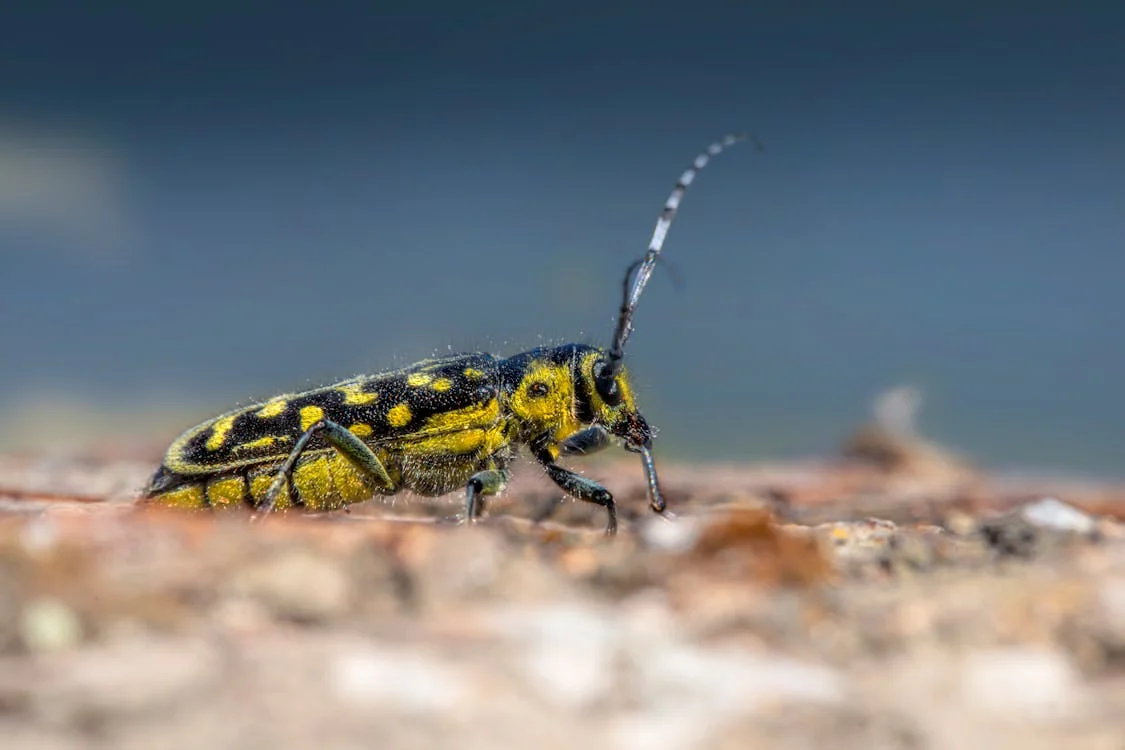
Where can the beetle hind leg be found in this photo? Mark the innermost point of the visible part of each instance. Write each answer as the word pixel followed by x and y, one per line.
pixel 340 438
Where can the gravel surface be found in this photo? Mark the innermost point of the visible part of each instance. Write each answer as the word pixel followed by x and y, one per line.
pixel 896 598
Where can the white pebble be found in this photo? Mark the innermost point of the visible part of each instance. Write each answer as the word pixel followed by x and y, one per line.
pixel 671 536
pixel 659 731
pixel 49 625
pixel 1052 513
pixel 569 652
pixel 1022 683
pixel 409 683
pixel 682 677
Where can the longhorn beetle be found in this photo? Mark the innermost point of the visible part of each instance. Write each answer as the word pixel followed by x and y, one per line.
pixel 432 427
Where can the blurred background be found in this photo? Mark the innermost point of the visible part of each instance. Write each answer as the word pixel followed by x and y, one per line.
pixel 202 205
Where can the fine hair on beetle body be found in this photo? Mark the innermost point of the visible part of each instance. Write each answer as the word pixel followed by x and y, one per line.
pixel 438 426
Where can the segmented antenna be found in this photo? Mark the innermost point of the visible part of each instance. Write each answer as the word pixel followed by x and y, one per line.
pixel 641 269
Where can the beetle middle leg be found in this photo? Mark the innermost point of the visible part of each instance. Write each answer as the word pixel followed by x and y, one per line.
pixel 342 440
pixel 481 485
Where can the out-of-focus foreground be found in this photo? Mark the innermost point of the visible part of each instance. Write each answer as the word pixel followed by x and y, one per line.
pixel 892 598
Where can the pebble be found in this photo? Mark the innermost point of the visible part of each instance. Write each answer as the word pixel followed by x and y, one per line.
pixel 407 682
pixel 47 624
pixel 674 537
pixel 1052 513
pixel 716 681
pixel 852 543
pixel 1022 683
pixel 567 652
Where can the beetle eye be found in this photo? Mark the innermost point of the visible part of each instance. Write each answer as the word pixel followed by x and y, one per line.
pixel 609 392
pixel 606 387
pixel 537 390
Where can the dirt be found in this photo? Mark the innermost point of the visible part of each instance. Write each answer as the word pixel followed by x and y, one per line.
pixel 892 598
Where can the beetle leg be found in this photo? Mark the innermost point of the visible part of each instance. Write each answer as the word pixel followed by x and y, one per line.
pixel 342 440
pixel 479 486
pixel 585 442
pixel 580 487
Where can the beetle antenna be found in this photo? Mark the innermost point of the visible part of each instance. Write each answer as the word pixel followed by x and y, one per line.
pixel 640 270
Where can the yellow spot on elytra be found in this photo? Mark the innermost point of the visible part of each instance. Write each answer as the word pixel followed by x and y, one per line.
pixel 263 442
pixel 460 442
pixel 441 385
pixel 473 373
pixel 188 496
pixel 359 429
pixel 219 432
pixel 274 408
pixel 354 395
pixel 476 416
pixel 473 430
pixel 310 415
pixel 399 415
pixel 418 379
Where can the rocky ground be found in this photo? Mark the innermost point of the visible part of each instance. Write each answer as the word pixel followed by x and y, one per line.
pixel 893 598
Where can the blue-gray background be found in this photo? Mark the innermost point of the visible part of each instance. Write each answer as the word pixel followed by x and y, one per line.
pixel 201 204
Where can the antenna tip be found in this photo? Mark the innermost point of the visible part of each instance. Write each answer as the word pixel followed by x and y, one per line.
pixel 744 136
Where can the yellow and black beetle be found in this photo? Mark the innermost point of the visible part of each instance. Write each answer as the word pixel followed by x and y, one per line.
pixel 430 428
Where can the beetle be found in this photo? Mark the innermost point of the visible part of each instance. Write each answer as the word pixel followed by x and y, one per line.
pixel 431 428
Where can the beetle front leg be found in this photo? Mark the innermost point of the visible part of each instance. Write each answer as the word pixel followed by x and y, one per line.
pixel 580 487
pixel 342 440
pixel 587 441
